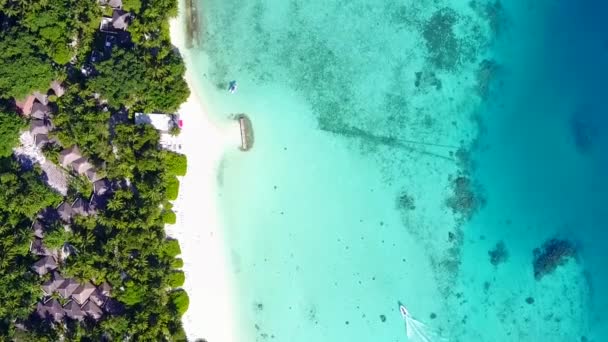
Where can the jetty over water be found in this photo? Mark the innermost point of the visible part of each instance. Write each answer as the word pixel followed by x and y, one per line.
pixel 192 25
pixel 246 132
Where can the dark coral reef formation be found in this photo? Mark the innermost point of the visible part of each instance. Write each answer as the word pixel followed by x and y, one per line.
pixel 553 253
pixel 405 202
pixel 464 200
pixel 443 46
pixel 499 254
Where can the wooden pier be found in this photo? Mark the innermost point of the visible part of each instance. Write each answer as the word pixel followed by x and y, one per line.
pixel 192 25
pixel 246 132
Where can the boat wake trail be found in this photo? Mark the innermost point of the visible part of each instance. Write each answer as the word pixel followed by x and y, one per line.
pixel 418 331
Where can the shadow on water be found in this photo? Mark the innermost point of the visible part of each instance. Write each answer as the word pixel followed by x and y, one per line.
pixel 409 145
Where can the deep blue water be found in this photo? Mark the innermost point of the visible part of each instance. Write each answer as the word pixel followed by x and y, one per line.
pixel 542 157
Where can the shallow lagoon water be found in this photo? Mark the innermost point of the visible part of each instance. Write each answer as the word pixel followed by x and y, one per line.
pixel 364 116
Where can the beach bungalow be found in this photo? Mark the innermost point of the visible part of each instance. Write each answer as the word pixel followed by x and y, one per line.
pixel 24 107
pixel 41 97
pixel 65 212
pixel 111 3
pixel 162 122
pixel 40 111
pixel 80 207
pixel 41 139
pixel 44 265
pixel 101 186
pixel 92 175
pixel 118 22
pixel 98 298
pixel 50 310
pixel 81 165
pixel 49 286
pixel 92 310
pixel 120 19
pixel 38 229
pixel 73 311
pixel 68 287
pixel 83 292
pixel 57 88
pixel 39 127
pixel 68 156
pixel 38 248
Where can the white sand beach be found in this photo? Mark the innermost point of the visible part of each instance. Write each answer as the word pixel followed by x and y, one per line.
pixel 198 227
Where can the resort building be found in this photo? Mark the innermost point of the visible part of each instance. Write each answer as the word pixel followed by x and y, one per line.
pixel 27 105
pixel 111 3
pixel 45 265
pixel 49 286
pixel 39 127
pixel 83 292
pixel 24 107
pixel 67 287
pixel 38 229
pixel 164 123
pixel 50 310
pixel 101 186
pixel 38 248
pixel 73 311
pixel 65 212
pixel 40 111
pixel 118 22
pixel 93 310
pixel 68 156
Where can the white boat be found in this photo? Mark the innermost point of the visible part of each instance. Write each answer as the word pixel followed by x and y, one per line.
pixel 403 310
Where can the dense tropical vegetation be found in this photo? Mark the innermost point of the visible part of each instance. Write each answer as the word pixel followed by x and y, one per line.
pixel 124 244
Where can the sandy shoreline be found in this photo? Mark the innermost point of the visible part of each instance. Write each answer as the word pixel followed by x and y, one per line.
pixel 198 228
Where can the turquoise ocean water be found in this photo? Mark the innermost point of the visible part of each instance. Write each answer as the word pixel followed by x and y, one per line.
pixel 369 119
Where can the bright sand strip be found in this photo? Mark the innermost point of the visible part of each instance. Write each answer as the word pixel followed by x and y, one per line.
pixel 198 229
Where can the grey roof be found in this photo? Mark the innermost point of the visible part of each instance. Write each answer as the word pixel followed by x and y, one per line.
pixel 81 165
pixel 105 289
pixel 39 127
pixel 92 175
pixel 54 309
pixel 67 156
pixel 72 310
pixel 44 265
pixel 40 111
pixel 38 229
pixel 111 3
pixel 38 248
pixel 98 298
pixel 41 140
pixel 51 309
pixel 92 310
pixel 101 186
pixel 82 293
pixel 51 285
pixel 65 212
pixel 57 88
pixel 42 98
pixel 120 19
pixel 79 207
pixel 41 310
pixel 66 288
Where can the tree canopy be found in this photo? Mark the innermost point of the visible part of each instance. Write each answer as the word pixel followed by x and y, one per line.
pixel 124 242
pixel 24 68
pixel 10 124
